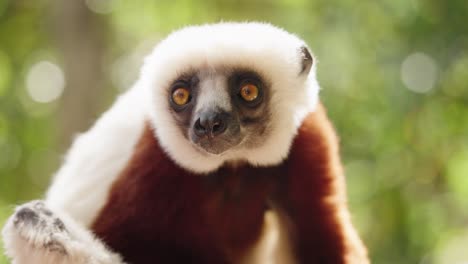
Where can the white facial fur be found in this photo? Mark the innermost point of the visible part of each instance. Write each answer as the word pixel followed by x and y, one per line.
pixel 267 50
pixel 214 91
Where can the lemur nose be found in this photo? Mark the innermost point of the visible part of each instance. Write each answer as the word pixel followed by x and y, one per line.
pixel 211 124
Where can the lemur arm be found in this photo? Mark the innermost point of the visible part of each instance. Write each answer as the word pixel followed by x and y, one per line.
pixel 57 230
pixel 36 234
pixel 315 197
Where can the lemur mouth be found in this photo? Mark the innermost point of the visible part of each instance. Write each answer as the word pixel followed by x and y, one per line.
pixel 216 146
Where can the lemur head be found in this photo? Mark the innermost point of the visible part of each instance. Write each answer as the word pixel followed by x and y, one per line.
pixel 228 93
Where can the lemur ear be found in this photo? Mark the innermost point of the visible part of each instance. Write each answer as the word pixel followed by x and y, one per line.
pixel 306 60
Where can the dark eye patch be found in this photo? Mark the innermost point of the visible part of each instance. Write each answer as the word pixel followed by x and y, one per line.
pixel 254 115
pixel 240 78
pixel 182 113
pixel 189 82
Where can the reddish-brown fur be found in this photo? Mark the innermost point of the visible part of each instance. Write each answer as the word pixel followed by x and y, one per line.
pixel 160 213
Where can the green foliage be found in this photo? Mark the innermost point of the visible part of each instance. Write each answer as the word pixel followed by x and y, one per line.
pixel 4 212
pixel 403 130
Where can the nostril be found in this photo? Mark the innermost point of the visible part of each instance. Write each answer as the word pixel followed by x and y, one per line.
pixel 199 129
pixel 218 127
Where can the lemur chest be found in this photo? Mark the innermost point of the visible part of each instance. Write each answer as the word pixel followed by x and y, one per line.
pixel 159 213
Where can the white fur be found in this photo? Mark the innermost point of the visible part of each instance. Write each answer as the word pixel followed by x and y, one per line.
pixel 274 244
pixel 96 158
pixel 268 50
pixel 215 94
pixel 27 244
pixel 80 188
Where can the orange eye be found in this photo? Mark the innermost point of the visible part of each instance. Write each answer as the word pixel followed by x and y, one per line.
pixel 249 92
pixel 181 96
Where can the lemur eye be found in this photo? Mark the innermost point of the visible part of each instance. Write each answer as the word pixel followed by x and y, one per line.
pixel 181 96
pixel 249 92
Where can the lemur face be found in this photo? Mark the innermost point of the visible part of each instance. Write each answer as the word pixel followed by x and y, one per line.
pixel 228 92
pixel 221 109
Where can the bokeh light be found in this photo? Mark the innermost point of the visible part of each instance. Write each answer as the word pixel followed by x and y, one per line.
pixel 452 249
pixel 45 82
pixel 419 72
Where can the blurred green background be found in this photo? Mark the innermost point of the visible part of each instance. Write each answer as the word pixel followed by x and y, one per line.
pixel 394 75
